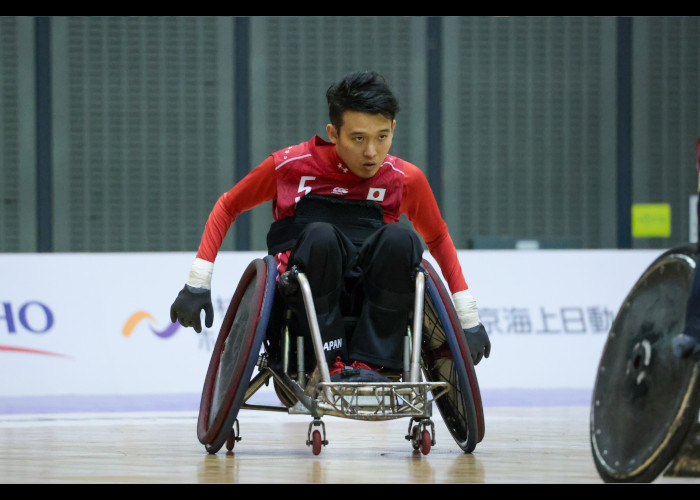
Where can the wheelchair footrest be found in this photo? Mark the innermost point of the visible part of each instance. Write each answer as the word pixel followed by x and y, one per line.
pixel 379 400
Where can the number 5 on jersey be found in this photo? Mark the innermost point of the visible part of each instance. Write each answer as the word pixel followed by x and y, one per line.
pixel 302 188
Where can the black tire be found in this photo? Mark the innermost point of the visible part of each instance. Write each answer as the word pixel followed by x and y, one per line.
pixel 236 353
pixel 446 358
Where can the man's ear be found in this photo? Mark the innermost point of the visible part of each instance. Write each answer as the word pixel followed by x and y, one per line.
pixel 332 133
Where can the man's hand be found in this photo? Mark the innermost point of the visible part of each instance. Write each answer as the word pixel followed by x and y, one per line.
pixel 188 305
pixel 478 341
pixel 684 346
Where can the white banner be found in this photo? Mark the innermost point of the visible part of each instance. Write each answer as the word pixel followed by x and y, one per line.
pixel 98 324
pixel 548 312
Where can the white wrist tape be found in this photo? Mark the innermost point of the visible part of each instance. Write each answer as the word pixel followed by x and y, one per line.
pixel 200 274
pixel 465 305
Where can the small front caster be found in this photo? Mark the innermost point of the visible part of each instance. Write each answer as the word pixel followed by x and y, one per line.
pixel 420 437
pixel 314 437
pixel 425 442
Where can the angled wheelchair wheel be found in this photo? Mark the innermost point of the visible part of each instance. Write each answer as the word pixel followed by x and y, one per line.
pixel 236 353
pixel 446 358
pixel 645 400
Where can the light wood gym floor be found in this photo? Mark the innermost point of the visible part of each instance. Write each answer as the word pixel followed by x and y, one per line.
pixel 546 445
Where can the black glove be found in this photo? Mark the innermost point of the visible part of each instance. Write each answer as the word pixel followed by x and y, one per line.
pixel 684 346
pixel 288 283
pixel 478 341
pixel 187 306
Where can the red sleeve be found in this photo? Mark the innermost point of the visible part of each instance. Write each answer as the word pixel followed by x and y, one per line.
pixel 259 186
pixel 419 205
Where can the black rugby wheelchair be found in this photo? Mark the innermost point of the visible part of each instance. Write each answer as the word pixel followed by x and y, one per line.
pixel 258 332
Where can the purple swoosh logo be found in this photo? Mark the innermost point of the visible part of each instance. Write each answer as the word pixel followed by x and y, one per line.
pixel 140 316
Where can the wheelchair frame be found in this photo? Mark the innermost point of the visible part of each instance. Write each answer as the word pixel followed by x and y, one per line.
pixel 238 351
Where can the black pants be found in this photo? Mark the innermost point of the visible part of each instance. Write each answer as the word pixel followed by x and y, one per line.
pixel 373 282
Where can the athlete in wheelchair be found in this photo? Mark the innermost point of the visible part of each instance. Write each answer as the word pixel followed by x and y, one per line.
pixel 346 311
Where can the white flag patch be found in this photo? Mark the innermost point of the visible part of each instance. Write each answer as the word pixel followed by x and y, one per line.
pixel 376 194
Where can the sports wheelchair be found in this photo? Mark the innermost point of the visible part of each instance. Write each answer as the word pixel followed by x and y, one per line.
pixel 257 331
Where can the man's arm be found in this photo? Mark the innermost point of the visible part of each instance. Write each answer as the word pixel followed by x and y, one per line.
pixel 419 204
pixel 255 188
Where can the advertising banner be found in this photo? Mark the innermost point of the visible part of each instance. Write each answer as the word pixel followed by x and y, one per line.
pixel 98 324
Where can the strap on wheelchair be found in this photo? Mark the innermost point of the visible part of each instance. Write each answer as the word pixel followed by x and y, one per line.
pixel 357 219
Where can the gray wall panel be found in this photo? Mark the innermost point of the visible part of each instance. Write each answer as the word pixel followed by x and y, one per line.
pixel 18 226
pixel 143 116
pixel 666 118
pixel 529 129
pixel 142 130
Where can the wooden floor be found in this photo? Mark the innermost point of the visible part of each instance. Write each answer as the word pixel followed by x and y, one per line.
pixel 522 445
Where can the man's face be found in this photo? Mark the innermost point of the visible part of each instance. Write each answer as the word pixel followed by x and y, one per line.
pixel 363 141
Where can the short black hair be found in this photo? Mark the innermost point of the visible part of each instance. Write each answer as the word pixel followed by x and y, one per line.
pixel 366 92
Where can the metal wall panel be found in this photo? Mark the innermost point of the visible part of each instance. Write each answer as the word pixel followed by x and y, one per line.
pixel 529 131
pixel 666 119
pixel 18 226
pixel 142 130
pixel 143 121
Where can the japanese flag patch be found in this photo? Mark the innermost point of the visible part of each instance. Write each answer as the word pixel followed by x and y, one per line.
pixel 376 194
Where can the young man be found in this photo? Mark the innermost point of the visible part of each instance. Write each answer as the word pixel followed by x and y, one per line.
pixel 336 206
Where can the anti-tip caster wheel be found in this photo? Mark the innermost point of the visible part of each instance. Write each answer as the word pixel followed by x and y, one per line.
pixel 233 436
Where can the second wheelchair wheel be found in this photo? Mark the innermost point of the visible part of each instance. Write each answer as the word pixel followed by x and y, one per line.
pixel 235 354
pixel 646 400
pixel 446 358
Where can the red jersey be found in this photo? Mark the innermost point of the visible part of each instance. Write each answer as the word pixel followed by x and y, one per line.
pixel 315 167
